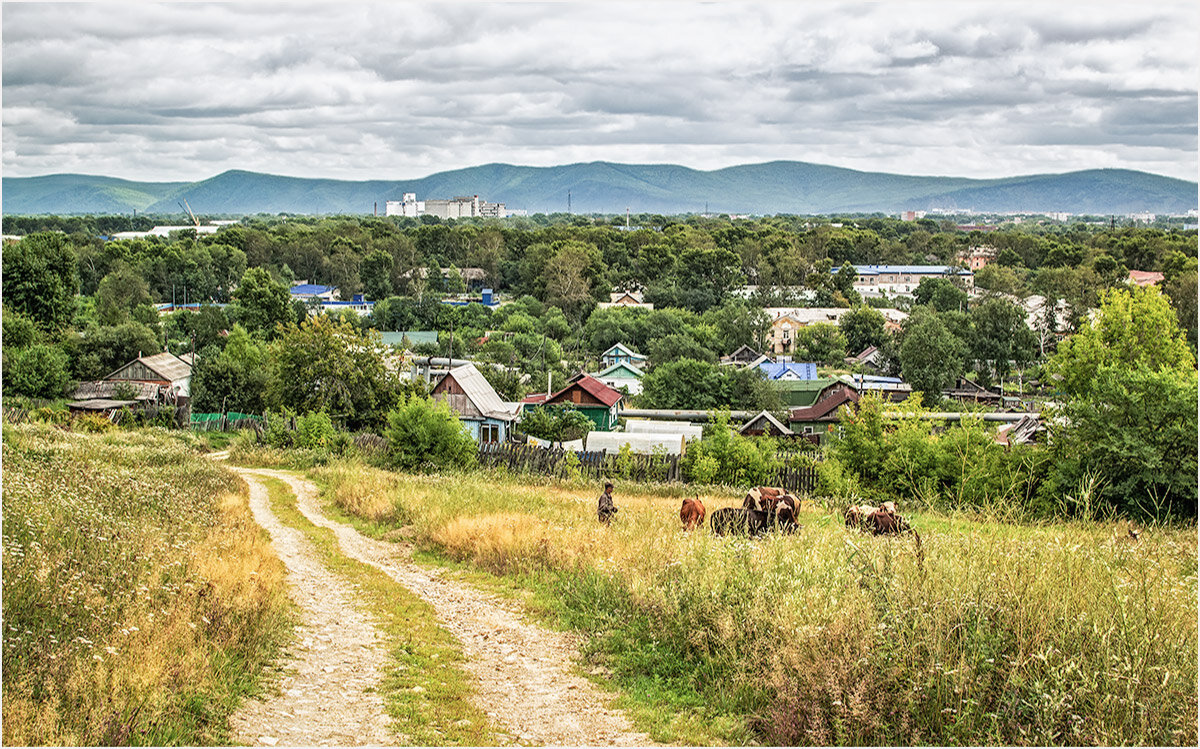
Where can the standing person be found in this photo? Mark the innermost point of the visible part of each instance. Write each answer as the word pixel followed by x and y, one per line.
pixel 606 509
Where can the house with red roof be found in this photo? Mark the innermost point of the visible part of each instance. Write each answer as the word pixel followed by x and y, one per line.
pixel 586 394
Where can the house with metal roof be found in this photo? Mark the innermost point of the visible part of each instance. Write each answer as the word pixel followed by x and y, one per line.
pixel 166 370
pixel 308 291
pixel 619 353
pixel 789 370
pixel 622 375
pixel 813 422
pixel 585 393
pixel 478 405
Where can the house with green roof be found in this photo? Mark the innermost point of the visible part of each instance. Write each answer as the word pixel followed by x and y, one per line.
pixel 622 375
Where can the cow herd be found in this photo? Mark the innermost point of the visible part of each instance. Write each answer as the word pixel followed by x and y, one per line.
pixel 767 508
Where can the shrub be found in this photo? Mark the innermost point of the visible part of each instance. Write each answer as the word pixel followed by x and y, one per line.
pixel 314 431
pixel 424 434
pixel 38 371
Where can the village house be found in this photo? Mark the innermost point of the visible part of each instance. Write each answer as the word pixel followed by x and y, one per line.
pixel 586 394
pixel 158 379
pixel 626 299
pixel 479 407
pixel 813 422
pixel 764 424
pixel 619 353
pixel 622 375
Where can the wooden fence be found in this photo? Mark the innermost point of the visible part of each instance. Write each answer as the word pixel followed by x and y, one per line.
pixel 564 463
pixel 597 465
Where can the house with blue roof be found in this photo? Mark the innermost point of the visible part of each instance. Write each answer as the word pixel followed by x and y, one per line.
pixel 309 291
pixel 788 370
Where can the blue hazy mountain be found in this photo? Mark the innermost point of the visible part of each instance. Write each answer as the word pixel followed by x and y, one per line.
pixel 605 187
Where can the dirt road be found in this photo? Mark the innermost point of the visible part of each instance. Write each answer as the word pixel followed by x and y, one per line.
pixel 525 673
pixel 328 695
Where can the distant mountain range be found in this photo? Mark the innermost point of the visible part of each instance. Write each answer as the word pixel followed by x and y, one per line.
pixel 604 187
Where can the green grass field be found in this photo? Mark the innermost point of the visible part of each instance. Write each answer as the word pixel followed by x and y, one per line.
pixel 989 633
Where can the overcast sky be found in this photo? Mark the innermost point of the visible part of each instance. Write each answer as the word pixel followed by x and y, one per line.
pixel 361 91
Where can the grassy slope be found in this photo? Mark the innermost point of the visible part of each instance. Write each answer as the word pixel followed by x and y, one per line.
pixel 141 602
pixel 994 633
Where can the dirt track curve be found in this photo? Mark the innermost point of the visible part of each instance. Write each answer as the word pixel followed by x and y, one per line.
pixel 524 673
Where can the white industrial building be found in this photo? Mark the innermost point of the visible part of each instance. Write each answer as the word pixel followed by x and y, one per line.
pixel 461 206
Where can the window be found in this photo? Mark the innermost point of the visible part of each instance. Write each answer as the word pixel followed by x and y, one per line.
pixel 489 432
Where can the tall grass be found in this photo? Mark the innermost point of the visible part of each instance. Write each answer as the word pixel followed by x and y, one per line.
pixel 141 601
pixel 988 633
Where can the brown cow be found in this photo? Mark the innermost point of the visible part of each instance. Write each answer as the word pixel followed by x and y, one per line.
pixel 858 515
pixel 692 513
pixel 763 498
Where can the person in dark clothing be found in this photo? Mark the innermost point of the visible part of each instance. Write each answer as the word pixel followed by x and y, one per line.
pixel 606 509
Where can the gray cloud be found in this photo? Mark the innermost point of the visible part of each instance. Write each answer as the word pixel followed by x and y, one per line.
pixel 352 91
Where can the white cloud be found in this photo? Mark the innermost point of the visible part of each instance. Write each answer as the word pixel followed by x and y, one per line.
pixel 352 91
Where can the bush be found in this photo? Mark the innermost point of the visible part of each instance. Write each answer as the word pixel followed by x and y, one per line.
pixel 724 457
pixel 426 435
pixel 38 371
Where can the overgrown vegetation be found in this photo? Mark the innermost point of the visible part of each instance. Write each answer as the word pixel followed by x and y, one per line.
pixel 985 633
pixel 141 601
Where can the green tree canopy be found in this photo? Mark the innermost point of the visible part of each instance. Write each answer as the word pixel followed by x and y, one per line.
pixel 41 279
pixel 327 366
pixel 931 357
pixel 426 435
pixel 863 327
pixel 1135 326
pixel 262 303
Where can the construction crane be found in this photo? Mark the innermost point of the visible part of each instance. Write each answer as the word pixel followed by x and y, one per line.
pixel 188 209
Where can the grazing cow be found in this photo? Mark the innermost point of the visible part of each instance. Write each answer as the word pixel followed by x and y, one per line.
pixel 692 513
pixel 763 498
pixel 739 521
pixel 787 508
pixel 884 523
pixel 858 515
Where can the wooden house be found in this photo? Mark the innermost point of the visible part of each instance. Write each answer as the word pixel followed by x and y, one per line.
pixel 477 404
pixel 764 424
pixel 619 353
pixel 585 393
pixel 622 375
pixel 816 419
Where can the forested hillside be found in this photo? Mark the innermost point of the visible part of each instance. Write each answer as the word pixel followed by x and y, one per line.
pixel 603 187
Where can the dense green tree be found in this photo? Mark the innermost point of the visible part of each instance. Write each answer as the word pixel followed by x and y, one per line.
pixel 261 303
pixel 41 279
pixel 328 366
pixel 822 343
pixel 672 347
pixel 20 330
pixel 119 293
pixel 556 423
pixel 931 357
pixel 37 371
pixel 862 327
pixel 999 335
pixel 101 350
pixel 238 379
pixel 1134 435
pixel 1180 287
pixel 426 435
pixel 691 384
pixel 376 272
pixel 1000 279
pixel 1135 326
pixel 941 294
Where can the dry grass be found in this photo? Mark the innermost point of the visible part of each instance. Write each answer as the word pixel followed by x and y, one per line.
pixel 141 601
pixel 995 634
